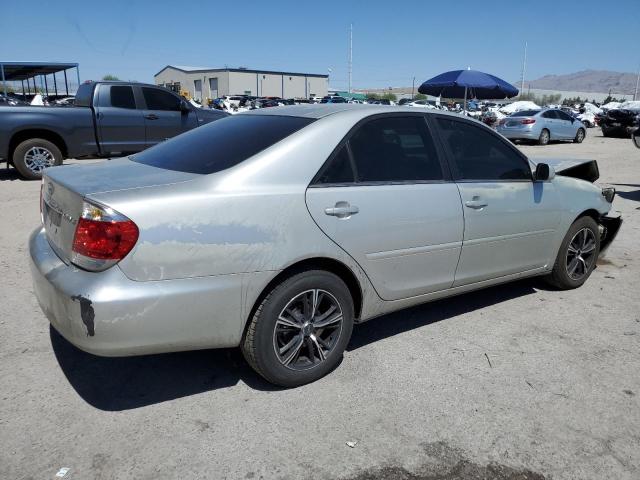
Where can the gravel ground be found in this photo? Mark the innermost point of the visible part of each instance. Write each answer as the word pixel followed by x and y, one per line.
pixel 516 381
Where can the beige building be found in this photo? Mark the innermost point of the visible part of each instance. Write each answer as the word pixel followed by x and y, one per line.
pixel 210 83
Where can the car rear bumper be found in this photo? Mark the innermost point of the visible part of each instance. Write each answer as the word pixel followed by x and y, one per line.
pixel 519 133
pixel 106 313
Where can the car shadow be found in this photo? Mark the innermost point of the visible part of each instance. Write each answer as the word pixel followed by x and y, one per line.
pixel 124 383
pixel 10 174
pixel 433 312
pixel 633 195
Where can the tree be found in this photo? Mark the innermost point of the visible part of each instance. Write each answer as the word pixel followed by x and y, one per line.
pixel 109 77
pixel 419 96
pixel 390 96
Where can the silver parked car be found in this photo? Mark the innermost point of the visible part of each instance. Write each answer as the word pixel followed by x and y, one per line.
pixel 542 126
pixel 277 230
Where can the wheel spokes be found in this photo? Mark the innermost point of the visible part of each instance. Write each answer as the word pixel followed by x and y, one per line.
pixel 307 329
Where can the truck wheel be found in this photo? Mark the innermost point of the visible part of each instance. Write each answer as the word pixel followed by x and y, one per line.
pixel 300 330
pixel 32 156
pixel 577 256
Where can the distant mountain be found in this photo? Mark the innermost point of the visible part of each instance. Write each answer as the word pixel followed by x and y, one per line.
pixel 601 81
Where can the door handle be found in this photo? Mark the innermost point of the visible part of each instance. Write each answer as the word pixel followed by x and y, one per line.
pixel 342 210
pixel 151 116
pixel 476 203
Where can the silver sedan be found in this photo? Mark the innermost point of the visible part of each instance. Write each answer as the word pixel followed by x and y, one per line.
pixel 542 126
pixel 279 229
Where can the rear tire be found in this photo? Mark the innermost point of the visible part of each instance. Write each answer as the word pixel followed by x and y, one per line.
pixel 586 124
pixel 577 256
pixel 580 134
pixel 32 156
pixel 288 341
pixel 544 138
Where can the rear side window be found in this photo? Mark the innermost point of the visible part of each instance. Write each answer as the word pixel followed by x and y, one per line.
pixel 157 99
pixel 481 155
pixel 395 149
pixel 220 144
pixel 339 169
pixel 122 97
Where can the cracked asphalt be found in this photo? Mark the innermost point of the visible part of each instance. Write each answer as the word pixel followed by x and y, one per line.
pixel 513 382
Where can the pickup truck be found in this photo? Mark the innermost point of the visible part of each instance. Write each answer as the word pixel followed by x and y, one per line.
pixel 108 119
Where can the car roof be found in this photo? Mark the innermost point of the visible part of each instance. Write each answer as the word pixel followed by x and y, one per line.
pixel 318 111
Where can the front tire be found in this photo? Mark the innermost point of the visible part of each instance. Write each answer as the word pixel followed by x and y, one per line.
pixel 577 255
pixel 580 134
pixel 301 328
pixel 32 156
pixel 544 137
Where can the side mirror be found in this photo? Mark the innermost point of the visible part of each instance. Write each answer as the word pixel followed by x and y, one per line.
pixel 635 136
pixel 184 106
pixel 544 173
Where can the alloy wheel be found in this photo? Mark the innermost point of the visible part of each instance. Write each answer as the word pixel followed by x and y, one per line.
pixel 38 158
pixel 307 329
pixel 581 253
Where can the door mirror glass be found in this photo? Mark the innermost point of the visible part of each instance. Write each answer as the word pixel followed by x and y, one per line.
pixel 544 172
pixel 636 138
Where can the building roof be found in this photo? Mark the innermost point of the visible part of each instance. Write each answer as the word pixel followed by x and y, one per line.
pixel 187 69
pixel 23 70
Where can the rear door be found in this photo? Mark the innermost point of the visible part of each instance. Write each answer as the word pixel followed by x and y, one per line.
pixel 119 119
pixel 163 117
pixel 509 220
pixel 386 198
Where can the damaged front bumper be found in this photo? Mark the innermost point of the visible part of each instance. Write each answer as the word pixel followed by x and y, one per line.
pixel 609 228
pixel 106 313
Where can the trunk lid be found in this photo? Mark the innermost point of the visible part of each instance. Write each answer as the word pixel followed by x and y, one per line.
pixel 64 190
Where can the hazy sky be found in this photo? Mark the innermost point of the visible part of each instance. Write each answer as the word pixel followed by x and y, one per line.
pixel 392 41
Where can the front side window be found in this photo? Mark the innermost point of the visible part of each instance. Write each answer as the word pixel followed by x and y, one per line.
pixel 481 155
pixel 157 99
pixel 122 97
pixel 395 149
pixel 221 144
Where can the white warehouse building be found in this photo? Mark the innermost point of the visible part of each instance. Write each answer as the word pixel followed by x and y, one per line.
pixel 209 83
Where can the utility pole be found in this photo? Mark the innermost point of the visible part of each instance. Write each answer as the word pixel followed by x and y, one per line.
pixel 635 93
pixel 350 53
pixel 413 87
pixel 524 67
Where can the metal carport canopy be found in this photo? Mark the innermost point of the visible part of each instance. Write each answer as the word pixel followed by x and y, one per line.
pixel 20 71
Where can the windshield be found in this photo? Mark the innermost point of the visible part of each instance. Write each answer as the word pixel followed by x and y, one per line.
pixel 221 144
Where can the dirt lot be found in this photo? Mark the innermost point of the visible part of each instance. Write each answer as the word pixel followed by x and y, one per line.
pixel 512 382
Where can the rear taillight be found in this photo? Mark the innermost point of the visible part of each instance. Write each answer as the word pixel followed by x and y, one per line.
pixel 102 238
pixel 528 121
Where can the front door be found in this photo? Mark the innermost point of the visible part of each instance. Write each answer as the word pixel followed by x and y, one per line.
pixel 509 220
pixel 384 198
pixel 163 116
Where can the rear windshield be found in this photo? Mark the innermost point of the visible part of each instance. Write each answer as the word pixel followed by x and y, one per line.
pixel 525 113
pixel 220 144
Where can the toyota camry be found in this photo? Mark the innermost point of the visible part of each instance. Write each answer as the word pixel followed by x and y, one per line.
pixel 279 229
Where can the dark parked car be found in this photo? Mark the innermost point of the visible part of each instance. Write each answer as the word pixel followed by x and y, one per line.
pixel 107 119
pixel 619 122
